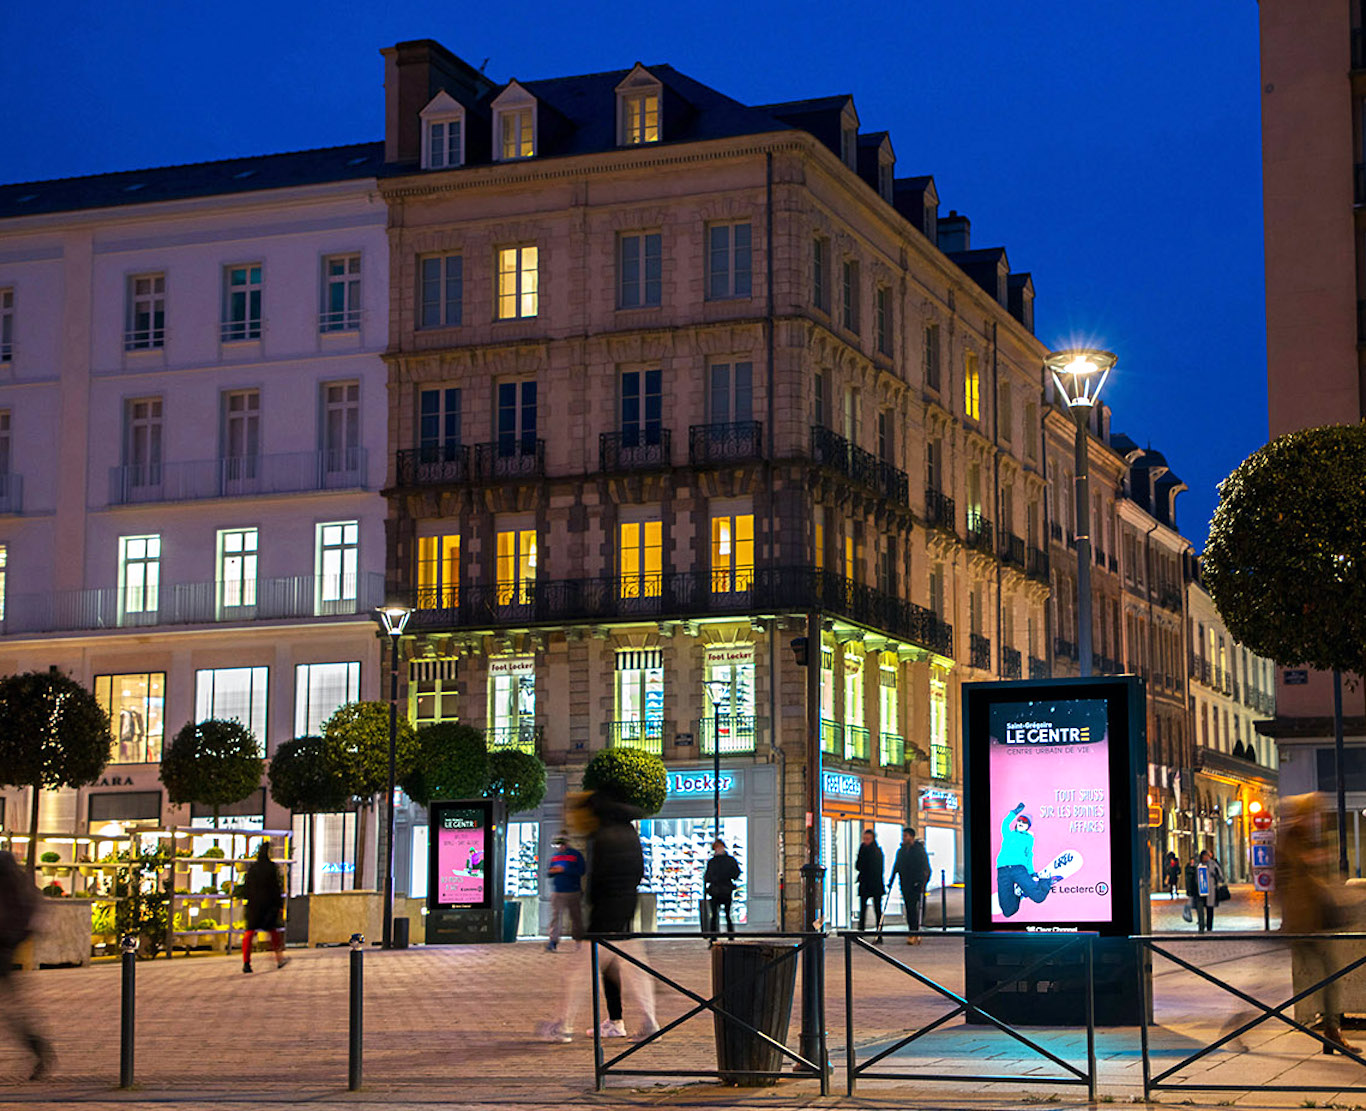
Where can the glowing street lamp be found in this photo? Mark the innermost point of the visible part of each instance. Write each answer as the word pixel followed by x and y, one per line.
pixel 393 619
pixel 1079 374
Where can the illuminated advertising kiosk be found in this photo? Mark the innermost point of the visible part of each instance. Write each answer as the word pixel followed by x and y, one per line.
pixel 1054 774
pixel 464 872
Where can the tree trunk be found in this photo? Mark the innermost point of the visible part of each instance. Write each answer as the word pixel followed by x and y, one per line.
pixel 310 836
pixel 33 834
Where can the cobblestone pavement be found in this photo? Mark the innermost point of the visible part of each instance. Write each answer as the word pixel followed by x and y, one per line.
pixel 453 1027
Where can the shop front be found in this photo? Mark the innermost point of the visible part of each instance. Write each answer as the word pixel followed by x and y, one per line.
pixel 851 804
pixel 941 828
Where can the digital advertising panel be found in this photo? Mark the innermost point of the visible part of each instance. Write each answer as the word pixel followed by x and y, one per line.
pixel 1052 778
pixel 460 854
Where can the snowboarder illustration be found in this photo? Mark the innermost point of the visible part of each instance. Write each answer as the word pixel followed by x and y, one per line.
pixel 1015 874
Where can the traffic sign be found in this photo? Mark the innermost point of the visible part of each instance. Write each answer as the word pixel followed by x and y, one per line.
pixel 1261 821
pixel 1264 880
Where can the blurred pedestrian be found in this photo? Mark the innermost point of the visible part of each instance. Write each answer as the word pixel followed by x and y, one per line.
pixel 1309 906
pixel 723 871
pixel 911 869
pixel 265 900
pixel 870 866
pixel 1209 877
pixel 567 867
pixel 1192 892
pixel 1171 874
pixel 19 903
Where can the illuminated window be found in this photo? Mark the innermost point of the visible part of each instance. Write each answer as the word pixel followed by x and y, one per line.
pixel 941 755
pixel 135 705
pixel 512 703
pixel 818 537
pixel 139 577
pixel 4 560
pixel 319 691
pixel 338 565
pixel 233 694
pixel 237 550
pixel 438 572
pixel 640 119
pixel 518 282
pixel 888 713
pixel 972 388
pixel 432 695
pixel 640 699
pixel 641 559
pixel 516 566
pixel 731 666
pixel 732 553
pixel 517 134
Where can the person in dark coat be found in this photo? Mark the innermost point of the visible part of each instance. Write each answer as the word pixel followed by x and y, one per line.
pixel 869 865
pixel 912 869
pixel 265 900
pixel 719 880
pixel 19 903
pixel 1171 873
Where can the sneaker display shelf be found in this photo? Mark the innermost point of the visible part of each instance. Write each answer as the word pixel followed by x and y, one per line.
pixel 676 855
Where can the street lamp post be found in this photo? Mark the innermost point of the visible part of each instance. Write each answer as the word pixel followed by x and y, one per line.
pixel 1079 375
pixel 393 619
pixel 717 690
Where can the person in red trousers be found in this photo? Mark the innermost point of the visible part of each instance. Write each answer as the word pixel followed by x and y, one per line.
pixel 265 901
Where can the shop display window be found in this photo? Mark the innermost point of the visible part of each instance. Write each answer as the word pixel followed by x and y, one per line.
pixel 233 694
pixel 676 855
pixel 736 707
pixel 640 699
pixel 417 863
pixel 942 845
pixel 135 705
pixel 523 872
pixel 512 704
pixel 329 841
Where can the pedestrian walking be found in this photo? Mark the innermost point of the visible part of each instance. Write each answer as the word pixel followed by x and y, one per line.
pixel 723 871
pixel 265 900
pixel 1171 874
pixel 1209 878
pixel 911 869
pixel 19 903
pixel 616 866
pixel 567 867
pixel 1192 892
pixel 869 865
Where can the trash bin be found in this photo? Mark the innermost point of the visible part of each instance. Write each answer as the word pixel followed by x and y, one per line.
pixel 754 985
pixel 512 918
pixel 400 933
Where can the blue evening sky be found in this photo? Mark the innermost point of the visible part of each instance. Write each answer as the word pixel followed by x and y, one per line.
pixel 1112 148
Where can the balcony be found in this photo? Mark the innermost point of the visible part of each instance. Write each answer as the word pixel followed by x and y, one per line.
pixel 1037 565
pixel 1112 563
pixel 1168 597
pixel 11 493
pixel 712 444
pixel 1011 665
pixel 238 477
pixel 855 742
pixel 1065 648
pixel 1055 531
pixel 1013 550
pixel 1038 669
pixel 939 511
pixel 892 750
pixel 647 736
pixel 1104 665
pixel 302 596
pixel 979 651
pixel 676 595
pixel 981 535
pixel 634 450
pixel 1200 669
pixel 829 449
pixel 509 457
pixel 832 738
pixel 737 733
pixel 520 738
pixel 1099 556
pixel 432 465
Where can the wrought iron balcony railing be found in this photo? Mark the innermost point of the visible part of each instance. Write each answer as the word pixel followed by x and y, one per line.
pixel 1013 550
pixel 1011 666
pixel 979 651
pixel 855 742
pixel 981 535
pixel 648 736
pixel 238 476
pixel 829 449
pixel 523 738
pixel 509 457
pixel 736 730
pixel 1055 531
pixel 635 450
pixel 737 442
pixel 1038 669
pixel 939 511
pixel 891 750
pixel 432 465
pixel 832 738
pixel 1113 563
pixel 1065 648
pixel 1037 565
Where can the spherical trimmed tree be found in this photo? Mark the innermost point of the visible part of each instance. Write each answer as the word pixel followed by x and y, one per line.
pixel 636 778
pixel 213 763
pixel 518 778
pixel 452 763
pixel 53 734
pixel 303 781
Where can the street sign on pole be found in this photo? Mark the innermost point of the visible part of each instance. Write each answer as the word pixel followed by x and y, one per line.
pixel 1263 859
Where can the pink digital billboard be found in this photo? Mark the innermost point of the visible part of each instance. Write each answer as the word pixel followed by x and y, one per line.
pixel 459 856
pixel 1050 812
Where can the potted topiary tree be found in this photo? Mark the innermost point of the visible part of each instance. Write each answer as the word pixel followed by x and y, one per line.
pixel 518 779
pixel 304 781
pixel 637 778
pixel 452 762
pixel 214 763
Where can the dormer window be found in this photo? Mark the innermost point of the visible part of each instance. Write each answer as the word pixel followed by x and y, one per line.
pixel 849 125
pixel 638 100
pixel 885 171
pixel 517 137
pixel 443 133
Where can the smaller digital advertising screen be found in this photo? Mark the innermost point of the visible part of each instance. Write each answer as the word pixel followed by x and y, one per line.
pixel 460 851
pixel 1051 783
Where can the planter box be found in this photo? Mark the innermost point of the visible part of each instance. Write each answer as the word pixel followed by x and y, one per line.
pixel 334 916
pixel 62 936
pixel 411 909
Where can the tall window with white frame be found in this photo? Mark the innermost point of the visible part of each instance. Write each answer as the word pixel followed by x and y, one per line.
pixel 516 553
pixel 731 393
pixel 516 417
pixel 731 668
pixel 639 269
pixel 932 356
pixel 142 442
pixel 233 694
pixel 445 142
pixel 642 407
pixel 891 746
pixel 242 287
pixel 941 754
pixel 517 136
pixel 145 328
pixel 884 321
pixel 237 555
pixel 319 691
pixel 341 294
pixel 438 424
pixel 338 562
pixel 139 579
pixel 728 261
pixel 341 429
pixel 6 325
pixel 850 290
pixel 732 553
pixel 241 439
pixel 443 291
pixel 820 273
pixel 136 707
pixel 518 294
pixel 640 118
pixel 639 721
pixel 640 559
pixel 438 571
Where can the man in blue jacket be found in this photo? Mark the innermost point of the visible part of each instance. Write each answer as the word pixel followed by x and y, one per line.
pixel 1015 875
pixel 566 890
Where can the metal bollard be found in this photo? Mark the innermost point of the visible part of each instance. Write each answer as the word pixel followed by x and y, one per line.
pixel 128 947
pixel 1266 911
pixel 357 1009
pixel 943 900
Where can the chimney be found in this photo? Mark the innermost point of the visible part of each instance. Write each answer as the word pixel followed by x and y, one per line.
pixel 414 72
pixel 955 232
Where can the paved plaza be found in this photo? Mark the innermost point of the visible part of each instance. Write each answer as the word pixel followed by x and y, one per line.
pixel 454 1027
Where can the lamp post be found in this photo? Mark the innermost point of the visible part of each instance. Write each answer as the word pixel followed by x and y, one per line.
pixel 717 691
pixel 1079 375
pixel 393 620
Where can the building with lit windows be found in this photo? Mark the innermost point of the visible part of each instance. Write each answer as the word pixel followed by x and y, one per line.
pixel 668 373
pixel 192 430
